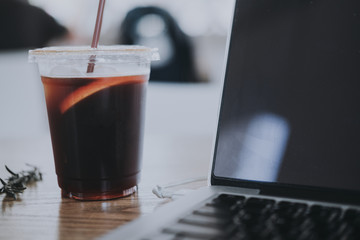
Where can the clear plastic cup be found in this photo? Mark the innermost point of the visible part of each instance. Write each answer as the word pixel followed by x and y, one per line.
pixel 96 116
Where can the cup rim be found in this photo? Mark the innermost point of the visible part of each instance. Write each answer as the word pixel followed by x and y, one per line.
pixel 84 52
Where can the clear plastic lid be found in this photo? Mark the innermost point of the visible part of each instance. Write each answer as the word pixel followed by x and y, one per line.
pixel 113 53
pixel 115 60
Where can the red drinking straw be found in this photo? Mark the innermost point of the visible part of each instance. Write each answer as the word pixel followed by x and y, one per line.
pixel 96 36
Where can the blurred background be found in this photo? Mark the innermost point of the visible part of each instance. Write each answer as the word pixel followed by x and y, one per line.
pixel 193 32
pixel 190 35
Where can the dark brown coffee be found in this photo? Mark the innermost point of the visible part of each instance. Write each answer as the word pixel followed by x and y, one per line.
pixel 96 128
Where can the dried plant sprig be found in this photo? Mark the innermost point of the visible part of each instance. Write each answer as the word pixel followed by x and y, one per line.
pixel 16 183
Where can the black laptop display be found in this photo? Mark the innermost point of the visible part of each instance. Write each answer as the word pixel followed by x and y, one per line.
pixel 290 111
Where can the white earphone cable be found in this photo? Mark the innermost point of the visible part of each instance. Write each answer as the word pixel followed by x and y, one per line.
pixel 164 192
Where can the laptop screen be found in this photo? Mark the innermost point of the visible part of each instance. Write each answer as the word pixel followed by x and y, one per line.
pixel 290 110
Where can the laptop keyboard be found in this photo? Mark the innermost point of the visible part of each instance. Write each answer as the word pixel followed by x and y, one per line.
pixel 239 217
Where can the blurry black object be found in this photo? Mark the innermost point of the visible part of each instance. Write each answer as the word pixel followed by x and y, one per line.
pixel 25 26
pixel 178 65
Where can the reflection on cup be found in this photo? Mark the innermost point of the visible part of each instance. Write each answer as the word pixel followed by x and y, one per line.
pixel 96 119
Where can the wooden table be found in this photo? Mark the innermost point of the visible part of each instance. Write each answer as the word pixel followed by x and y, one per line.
pixel 177 146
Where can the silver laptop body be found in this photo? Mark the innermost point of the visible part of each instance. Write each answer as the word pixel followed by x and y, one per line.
pixel 289 121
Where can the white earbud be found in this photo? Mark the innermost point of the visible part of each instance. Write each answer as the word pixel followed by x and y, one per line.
pixel 163 192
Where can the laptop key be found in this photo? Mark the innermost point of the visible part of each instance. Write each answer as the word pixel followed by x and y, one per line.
pixel 212 211
pixel 326 214
pixel 351 215
pixel 205 221
pixel 291 209
pixel 196 232
pixel 259 202
pixel 160 236
pixel 228 200
pixel 258 206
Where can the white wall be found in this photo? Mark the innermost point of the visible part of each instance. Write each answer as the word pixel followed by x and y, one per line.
pixel 206 22
pixel 195 17
pixel 22 105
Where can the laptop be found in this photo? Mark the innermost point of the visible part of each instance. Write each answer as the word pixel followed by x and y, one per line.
pixel 286 162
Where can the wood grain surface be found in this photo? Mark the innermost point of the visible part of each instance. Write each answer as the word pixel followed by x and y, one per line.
pixel 41 213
